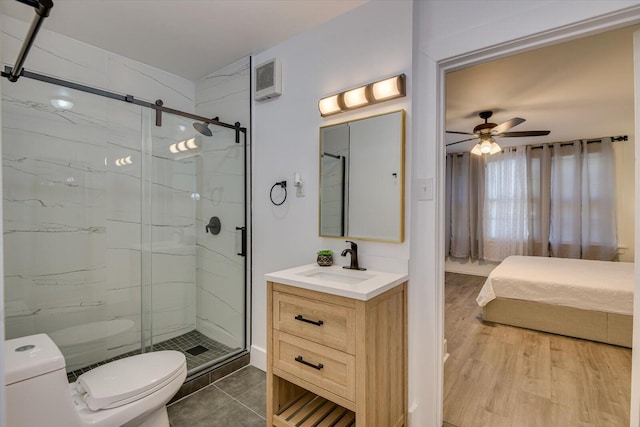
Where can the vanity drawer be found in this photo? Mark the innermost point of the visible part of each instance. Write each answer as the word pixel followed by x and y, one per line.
pixel 325 367
pixel 318 321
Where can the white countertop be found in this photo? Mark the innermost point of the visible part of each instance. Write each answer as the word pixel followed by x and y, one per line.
pixel 335 280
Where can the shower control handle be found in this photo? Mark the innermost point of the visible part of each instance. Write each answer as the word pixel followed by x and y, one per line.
pixel 313 322
pixel 214 226
pixel 304 362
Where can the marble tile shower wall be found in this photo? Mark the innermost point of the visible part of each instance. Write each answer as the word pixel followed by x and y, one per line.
pixel 73 218
pixel 220 271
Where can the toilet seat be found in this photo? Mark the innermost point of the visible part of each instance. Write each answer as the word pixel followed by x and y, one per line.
pixel 126 380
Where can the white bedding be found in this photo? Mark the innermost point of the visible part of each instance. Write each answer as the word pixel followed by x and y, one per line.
pixel 591 285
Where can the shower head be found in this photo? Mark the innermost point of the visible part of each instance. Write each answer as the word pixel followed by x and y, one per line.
pixel 203 127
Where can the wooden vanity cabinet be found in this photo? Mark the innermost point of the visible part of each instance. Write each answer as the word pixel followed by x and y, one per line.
pixel 337 360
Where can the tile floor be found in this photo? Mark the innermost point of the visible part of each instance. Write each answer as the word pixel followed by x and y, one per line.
pixel 237 400
pixel 181 343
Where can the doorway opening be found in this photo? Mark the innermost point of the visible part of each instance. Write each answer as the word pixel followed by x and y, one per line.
pixel 458 271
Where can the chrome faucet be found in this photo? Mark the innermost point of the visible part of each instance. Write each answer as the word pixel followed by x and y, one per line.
pixel 354 256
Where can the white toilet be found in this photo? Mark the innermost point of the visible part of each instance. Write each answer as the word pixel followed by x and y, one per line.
pixel 132 391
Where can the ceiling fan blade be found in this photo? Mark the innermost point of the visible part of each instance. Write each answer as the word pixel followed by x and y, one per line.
pixel 461 133
pixel 464 140
pixel 506 125
pixel 524 133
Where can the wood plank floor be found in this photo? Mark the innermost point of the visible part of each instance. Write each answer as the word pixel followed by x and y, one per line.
pixel 499 375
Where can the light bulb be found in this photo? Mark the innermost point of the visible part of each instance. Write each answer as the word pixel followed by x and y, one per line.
pixel 355 97
pixel 386 88
pixel 476 150
pixel 173 148
pixel 485 147
pixel 329 105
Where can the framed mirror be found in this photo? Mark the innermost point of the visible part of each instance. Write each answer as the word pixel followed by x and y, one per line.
pixel 362 178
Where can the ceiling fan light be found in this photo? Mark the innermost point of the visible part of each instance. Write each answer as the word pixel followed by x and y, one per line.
pixel 485 146
pixel 476 150
pixel 495 148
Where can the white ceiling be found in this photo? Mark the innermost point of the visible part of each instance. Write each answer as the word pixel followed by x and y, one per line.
pixel 578 89
pixel 190 38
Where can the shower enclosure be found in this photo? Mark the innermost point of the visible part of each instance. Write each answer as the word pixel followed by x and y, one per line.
pixel 106 206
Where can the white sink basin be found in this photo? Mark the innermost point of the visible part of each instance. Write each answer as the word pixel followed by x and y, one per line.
pixel 335 280
pixel 349 277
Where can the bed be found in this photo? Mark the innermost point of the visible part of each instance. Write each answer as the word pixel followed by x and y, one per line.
pixel 578 298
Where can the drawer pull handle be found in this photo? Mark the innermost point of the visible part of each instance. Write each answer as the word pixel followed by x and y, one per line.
pixel 313 322
pixel 304 362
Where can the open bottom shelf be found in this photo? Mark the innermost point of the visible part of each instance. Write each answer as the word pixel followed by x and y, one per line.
pixel 310 410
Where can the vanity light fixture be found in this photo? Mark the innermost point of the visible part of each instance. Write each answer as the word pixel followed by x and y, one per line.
pixel 383 90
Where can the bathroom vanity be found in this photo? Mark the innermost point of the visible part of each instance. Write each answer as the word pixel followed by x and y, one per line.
pixel 336 347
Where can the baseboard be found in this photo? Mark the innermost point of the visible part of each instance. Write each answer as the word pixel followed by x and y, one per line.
pixel 259 357
pixel 468 266
pixel 211 375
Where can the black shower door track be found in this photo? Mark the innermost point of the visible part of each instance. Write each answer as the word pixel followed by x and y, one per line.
pixel 158 105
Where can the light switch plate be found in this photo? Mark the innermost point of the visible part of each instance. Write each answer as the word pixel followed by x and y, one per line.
pixel 424 188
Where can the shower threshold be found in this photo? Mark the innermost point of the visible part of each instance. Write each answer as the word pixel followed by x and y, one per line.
pixel 199 350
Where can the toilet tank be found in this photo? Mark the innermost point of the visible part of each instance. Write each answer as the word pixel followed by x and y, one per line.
pixel 29 357
pixel 37 390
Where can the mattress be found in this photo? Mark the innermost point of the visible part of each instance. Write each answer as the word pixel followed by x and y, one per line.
pixel 591 285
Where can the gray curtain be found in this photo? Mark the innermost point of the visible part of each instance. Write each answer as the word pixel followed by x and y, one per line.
pixel 464 183
pixel 599 229
pixel 447 204
pixel 583 204
pixel 570 202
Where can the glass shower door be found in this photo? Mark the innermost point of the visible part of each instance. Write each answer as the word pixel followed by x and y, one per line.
pixel 195 216
pixel 71 201
pixel 105 244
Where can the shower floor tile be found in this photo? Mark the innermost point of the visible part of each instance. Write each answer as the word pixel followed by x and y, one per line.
pixel 180 343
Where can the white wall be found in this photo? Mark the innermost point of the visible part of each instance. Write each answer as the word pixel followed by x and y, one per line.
pixel 364 45
pixel 2 399
pixel 447 30
pixel 625 200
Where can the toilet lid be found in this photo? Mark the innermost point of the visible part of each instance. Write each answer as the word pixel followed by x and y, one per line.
pixel 132 378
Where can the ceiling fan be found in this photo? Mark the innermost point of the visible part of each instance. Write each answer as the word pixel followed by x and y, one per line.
pixel 486 131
